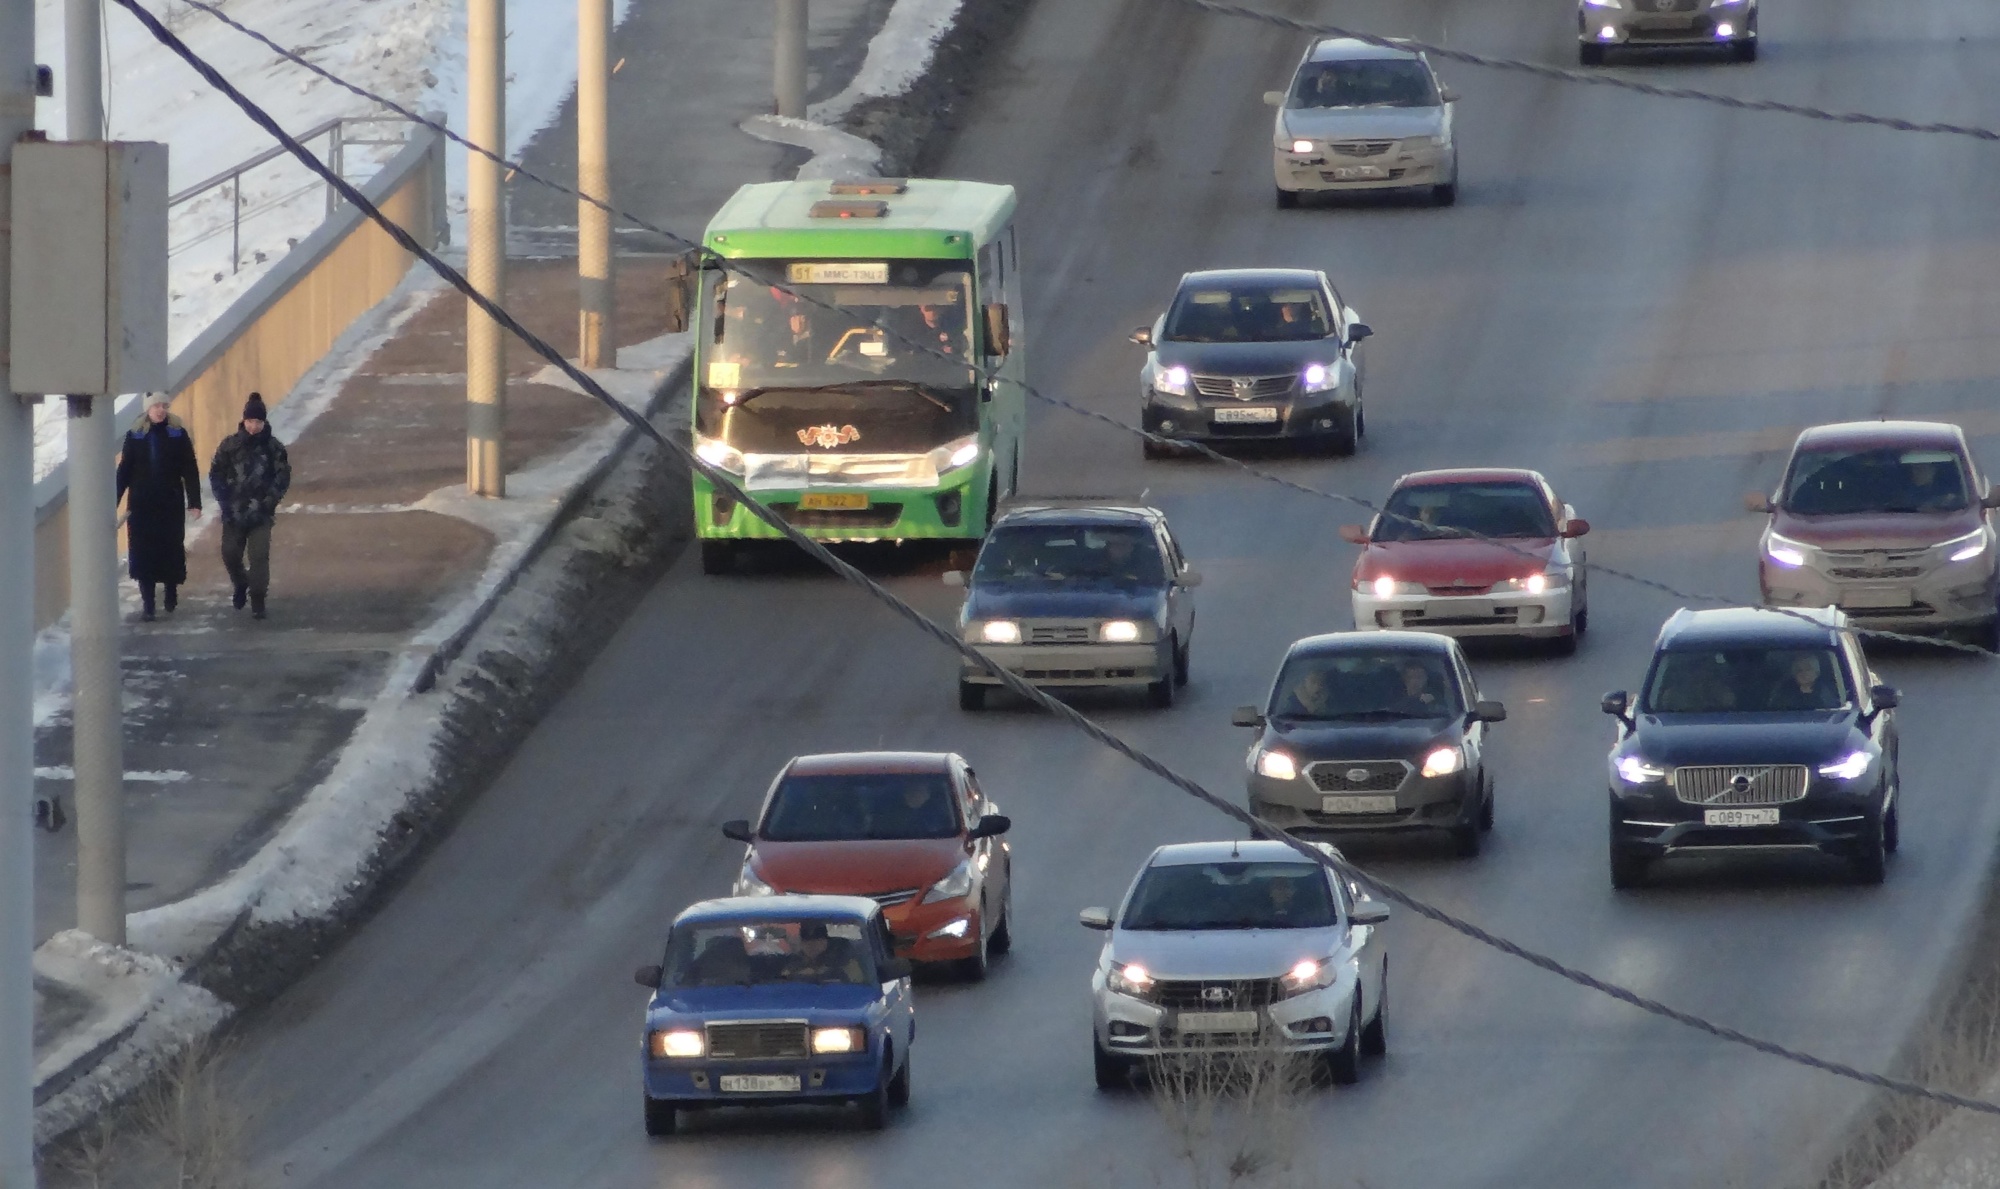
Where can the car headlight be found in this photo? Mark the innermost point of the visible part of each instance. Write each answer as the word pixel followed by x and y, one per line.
pixel 999 631
pixel 1130 978
pixel 677 1042
pixel 719 454
pixel 1967 547
pixel 1605 3
pixel 1424 144
pixel 1785 551
pixel 1171 380
pixel 1443 762
pixel 1319 377
pixel 1848 767
pixel 1277 765
pixel 956 885
pixel 1634 770
pixel 1118 631
pixel 747 884
pixel 1536 583
pixel 1384 586
pixel 839 1040
pixel 1310 974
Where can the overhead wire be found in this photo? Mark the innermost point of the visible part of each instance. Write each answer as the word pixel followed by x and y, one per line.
pixel 951 640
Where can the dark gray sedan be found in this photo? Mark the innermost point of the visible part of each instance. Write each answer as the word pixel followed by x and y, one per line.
pixel 1376 732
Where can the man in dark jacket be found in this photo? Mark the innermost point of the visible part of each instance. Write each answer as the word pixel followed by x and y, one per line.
pixel 249 475
pixel 157 469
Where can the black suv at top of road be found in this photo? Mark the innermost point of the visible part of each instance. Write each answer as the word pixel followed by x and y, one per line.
pixel 1755 729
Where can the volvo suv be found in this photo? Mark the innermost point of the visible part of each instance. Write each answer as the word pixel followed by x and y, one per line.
pixel 1889 521
pixel 1755 730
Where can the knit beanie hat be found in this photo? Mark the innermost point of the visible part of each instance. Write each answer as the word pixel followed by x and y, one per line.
pixel 158 398
pixel 253 409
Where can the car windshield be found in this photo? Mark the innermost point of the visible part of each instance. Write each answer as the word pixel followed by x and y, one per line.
pixel 1435 511
pixel 1248 313
pixel 1366 82
pixel 1891 479
pixel 1231 895
pixel 734 954
pixel 1746 680
pixel 1059 555
pixel 1360 686
pixel 861 806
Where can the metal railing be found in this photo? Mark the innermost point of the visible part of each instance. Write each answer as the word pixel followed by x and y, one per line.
pixel 340 134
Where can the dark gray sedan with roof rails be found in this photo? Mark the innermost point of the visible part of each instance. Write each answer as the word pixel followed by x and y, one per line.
pixel 1375 732
pixel 1084 595
pixel 1254 354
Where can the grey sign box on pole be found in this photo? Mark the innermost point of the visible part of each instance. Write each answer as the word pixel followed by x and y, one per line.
pixel 88 302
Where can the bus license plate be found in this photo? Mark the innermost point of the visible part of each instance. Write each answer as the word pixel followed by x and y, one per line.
pixel 760 1083
pixel 1351 804
pixel 1739 817
pixel 834 501
pixel 1245 416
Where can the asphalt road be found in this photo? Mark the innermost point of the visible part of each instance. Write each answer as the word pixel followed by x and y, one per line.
pixel 1643 299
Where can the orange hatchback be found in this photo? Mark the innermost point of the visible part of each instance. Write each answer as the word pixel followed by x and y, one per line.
pixel 910 830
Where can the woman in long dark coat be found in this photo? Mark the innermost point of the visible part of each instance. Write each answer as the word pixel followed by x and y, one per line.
pixel 157 467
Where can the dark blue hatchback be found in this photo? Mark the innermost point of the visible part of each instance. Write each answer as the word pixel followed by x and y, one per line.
pixel 769 1000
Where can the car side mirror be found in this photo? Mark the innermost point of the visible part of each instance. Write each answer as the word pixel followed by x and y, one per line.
pixel 1354 534
pixel 954 577
pixel 1448 95
pixel 991 826
pixel 893 969
pixel 1991 499
pixel 1246 716
pixel 683 286
pixel 1575 526
pixel 999 330
pixel 1356 331
pixel 1617 704
pixel 1274 99
pixel 1368 912
pixel 649 977
pixel 1095 918
pixel 737 828
pixel 1190 578
pixel 1143 336
pixel 1885 697
pixel 1489 712
pixel 1757 501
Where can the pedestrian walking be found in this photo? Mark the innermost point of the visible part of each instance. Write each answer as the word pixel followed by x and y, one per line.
pixel 249 475
pixel 158 478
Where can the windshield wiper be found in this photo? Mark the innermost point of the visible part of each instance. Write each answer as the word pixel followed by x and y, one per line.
pixel 848 387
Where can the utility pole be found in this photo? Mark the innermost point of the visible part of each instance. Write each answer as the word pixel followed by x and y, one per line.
pixel 597 343
pixel 97 706
pixel 790 85
pixel 17 635
pixel 486 253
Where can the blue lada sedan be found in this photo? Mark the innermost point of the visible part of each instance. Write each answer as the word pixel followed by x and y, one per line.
pixel 777 999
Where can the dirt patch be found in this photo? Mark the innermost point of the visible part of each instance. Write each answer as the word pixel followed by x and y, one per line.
pixel 913 128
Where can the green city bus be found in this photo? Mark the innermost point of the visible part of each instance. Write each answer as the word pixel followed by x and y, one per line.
pixel 887 406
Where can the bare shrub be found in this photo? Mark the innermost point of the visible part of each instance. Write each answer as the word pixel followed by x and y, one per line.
pixel 196 1125
pixel 1234 1118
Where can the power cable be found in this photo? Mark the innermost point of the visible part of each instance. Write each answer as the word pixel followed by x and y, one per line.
pixel 951 640
pixel 990 374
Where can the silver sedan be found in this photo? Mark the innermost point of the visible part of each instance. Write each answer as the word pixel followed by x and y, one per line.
pixel 1359 116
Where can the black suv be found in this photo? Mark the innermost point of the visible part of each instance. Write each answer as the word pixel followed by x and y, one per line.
pixel 1756 730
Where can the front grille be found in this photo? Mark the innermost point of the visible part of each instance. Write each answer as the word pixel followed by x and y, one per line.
pixel 1258 388
pixel 1894 572
pixel 1717 784
pixel 1377 776
pixel 892 899
pixel 1075 634
pixel 873 516
pixel 1459 590
pixel 757 1039
pixel 1444 618
pixel 1360 148
pixel 1665 5
pixel 1232 994
pixel 1675 31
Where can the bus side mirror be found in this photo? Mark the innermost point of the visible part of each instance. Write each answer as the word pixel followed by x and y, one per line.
pixel 681 282
pixel 999 330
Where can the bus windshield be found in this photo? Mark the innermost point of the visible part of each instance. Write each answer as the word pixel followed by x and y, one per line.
pixel 879 350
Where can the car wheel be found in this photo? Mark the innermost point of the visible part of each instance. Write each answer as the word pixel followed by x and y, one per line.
pixel 1360 422
pixel 971 696
pixel 875 1104
pixel 659 1116
pixel 1465 840
pixel 1375 1037
pixel 1892 829
pixel 1160 694
pixel 718 557
pixel 1486 810
pixel 1181 662
pixel 899 1086
pixel 1155 450
pixel 974 968
pixel 1113 1072
pixel 1003 936
pixel 1343 1065
pixel 1987 635
pixel 1565 644
pixel 1871 863
pixel 1746 50
pixel 1627 869
pixel 1588 54
pixel 1445 195
pixel 1583 620
pixel 1287 199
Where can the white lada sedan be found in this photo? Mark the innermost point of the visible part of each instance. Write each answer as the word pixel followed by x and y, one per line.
pixel 1360 116
pixel 1235 947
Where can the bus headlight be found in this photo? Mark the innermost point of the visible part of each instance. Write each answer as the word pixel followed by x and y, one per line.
pixel 956 453
pixel 719 454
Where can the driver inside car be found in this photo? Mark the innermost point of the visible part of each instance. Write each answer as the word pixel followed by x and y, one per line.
pixel 822 959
